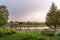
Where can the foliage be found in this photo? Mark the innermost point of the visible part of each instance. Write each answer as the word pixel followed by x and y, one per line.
pixel 48 33
pixel 13 24
pixel 2 21
pixel 26 35
pixel 3 15
pixel 6 31
pixel 51 18
pixel 57 33
pixel 31 24
pixel 21 34
pixel 58 17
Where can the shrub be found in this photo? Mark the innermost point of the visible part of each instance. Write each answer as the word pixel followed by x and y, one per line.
pixel 48 33
pixel 57 33
pixel 6 31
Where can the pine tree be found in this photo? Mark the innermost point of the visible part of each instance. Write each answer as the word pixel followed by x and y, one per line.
pixel 51 18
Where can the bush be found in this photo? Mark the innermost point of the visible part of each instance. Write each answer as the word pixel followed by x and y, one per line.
pixel 6 31
pixel 48 33
pixel 57 33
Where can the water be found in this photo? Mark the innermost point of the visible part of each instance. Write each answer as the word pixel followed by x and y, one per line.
pixel 32 28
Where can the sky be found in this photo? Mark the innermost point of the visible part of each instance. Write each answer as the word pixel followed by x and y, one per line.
pixel 28 10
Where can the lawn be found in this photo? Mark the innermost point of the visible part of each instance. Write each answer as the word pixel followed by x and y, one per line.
pixel 25 35
pixel 54 38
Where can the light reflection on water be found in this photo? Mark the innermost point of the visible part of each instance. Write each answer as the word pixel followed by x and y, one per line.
pixel 32 28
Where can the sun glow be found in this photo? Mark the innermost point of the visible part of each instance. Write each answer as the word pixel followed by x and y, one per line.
pixel 35 16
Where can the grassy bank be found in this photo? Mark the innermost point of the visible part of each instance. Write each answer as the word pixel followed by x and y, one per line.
pixel 32 35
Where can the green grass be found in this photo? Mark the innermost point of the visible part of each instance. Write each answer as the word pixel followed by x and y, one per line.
pixel 19 35
pixel 54 37
pixel 25 35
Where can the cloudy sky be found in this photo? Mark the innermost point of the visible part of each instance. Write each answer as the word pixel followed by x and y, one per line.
pixel 28 10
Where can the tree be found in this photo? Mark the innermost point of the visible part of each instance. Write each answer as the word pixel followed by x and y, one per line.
pixel 14 24
pixel 11 24
pixel 3 15
pixel 51 18
pixel 58 17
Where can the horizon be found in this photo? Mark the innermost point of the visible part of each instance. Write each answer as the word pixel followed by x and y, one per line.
pixel 28 10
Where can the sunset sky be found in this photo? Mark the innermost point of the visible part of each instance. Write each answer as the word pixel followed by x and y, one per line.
pixel 28 10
